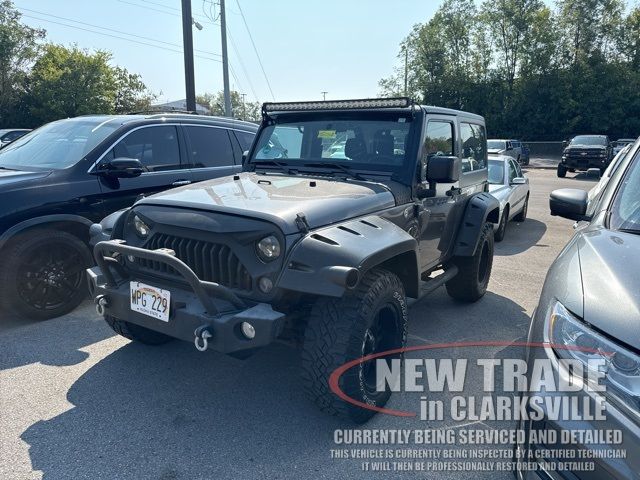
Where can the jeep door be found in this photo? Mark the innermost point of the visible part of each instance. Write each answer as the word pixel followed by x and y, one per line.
pixel 435 219
pixel 158 148
pixel 210 152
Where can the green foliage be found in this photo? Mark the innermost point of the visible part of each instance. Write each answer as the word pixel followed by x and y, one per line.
pixel 18 49
pixel 531 71
pixel 44 82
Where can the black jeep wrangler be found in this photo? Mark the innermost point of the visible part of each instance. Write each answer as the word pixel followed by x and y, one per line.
pixel 343 210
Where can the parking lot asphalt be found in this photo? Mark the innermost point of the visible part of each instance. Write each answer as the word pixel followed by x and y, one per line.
pixel 76 401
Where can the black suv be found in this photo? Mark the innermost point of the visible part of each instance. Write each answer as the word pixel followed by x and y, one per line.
pixel 366 202
pixel 584 152
pixel 59 179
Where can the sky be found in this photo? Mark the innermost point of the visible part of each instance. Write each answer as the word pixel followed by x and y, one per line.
pixel 343 47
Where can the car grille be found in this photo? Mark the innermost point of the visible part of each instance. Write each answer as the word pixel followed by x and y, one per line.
pixel 212 262
pixel 584 154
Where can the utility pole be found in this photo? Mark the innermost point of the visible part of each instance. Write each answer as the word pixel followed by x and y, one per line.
pixel 187 45
pixel 225 62
pixel 244 106
pixel 324 95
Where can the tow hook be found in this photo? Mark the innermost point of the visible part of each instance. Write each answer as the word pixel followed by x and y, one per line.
pixel 203 334
pixel 101 304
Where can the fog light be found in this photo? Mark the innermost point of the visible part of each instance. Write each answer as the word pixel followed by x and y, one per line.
pixel 265 284
pixel 248 330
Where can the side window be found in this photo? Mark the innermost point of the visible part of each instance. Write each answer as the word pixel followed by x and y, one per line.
pixel 518 170
pixel 245 139
pixel 513 172
pixel 156 147
pixel 474 147
pixel 209 147
pixel 439 139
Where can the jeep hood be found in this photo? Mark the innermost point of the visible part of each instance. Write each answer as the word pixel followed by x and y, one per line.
pixel 609 264
pixel 279 199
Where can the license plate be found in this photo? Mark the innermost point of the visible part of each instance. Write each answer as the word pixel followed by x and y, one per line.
pixel 150 301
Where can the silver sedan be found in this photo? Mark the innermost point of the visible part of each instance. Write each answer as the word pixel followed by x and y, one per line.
pixel 509 185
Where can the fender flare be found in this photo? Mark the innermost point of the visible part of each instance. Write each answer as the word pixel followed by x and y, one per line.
pixel 35 221
pixel 321 261
pixel 481 208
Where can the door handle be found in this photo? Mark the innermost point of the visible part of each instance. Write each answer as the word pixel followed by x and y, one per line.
pixel 180 183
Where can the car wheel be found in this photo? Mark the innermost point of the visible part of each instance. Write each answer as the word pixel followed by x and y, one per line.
pixel 562 171
pixel 368 320
pixel 135 332
pixel 43 275
pixel 502 226
pixel 471 282
pixel 522 216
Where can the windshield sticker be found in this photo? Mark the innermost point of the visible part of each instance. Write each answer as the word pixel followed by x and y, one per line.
pixel 327 134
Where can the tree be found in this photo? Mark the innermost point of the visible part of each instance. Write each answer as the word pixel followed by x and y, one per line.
pixel 18 49
pixel 67 82
pixel 249 111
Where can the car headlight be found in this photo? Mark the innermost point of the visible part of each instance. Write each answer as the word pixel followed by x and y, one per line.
pixel 268 248
pixel 142 228
pixel 621 366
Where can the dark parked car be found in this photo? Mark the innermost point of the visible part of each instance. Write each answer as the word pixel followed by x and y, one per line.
pixel 589 311
pixel 8 135
pixel 308 245
pixel 584 152
pixel 58 180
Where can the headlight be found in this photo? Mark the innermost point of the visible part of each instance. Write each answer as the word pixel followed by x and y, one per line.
pixel 141 228
pixel 268 248
pixel 621 366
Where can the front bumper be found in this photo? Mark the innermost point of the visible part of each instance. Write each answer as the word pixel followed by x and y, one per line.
pixel 584 163
pixel 195 304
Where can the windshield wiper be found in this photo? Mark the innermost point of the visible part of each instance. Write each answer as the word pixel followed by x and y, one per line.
pixel 340 167
pixel 284 166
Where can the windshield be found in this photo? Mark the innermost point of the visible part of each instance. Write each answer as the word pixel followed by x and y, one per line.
pixel 496 144
pixel 496 172
pixel 589 140
pixel 58 144
pixel 366 143
pixel 625 212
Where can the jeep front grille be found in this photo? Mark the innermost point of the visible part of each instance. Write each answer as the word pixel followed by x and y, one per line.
pixel 212 262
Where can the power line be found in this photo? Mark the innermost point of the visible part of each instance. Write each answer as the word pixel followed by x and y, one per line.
pixel 242 66
pixel 115 31
pixel 118 37
pixel 255 49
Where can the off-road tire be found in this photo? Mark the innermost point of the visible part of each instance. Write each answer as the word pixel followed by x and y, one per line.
pixel 18 271
pixel 337 332
pixel 522 215
pixel 562 171
pixel 470 284
pixel 135 332
pixel 502 226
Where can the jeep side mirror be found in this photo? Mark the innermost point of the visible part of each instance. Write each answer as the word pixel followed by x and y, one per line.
pixel 122 168
pixel 569 203
pixel 441 169
pixel 245 155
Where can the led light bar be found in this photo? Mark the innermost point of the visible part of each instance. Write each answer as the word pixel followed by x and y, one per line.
pixel 398 102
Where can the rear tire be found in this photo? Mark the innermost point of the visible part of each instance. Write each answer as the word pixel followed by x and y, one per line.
pixel 370 319
pixel 136 333
pixel 43 274
pixel 562 171
pixel 470 284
